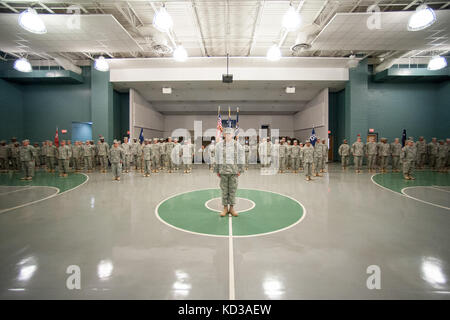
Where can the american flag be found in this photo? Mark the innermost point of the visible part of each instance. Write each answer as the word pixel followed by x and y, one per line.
pixel 219 128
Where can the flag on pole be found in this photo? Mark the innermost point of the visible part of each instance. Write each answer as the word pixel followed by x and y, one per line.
pixel 56 138
pixel 236 132
pixel 229 118
pixel 313 137
pixel 404 137
pixel 219 126
pixel 141 135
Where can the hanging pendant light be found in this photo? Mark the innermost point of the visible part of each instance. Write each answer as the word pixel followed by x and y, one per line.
pixel 274 53
pixel 30 21
pixel 291 19
pixel 437 63
pixel 180 54
pixel 101 64
pixel 162 20
pixel 422 18
pixel 22 65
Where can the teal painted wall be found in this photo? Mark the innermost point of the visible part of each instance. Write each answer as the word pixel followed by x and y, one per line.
pixel 336 119
pixel 102 108
pixel 444 110
pixel 47 106
pixel 11 111
pixel 124 113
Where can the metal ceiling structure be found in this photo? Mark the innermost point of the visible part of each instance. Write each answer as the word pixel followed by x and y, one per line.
pixel 207 28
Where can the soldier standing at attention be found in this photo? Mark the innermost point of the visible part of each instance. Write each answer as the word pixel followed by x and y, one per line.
pixel 318 154
pixel 442 153
pixel 307 155
pixel 43 153
pixel 147 155
pixel 432 153
pixel 230 160
pixel 86 155
pixel 63 159
pixel 275 155
pixel 162 157
pixel 155 155
pixel 289 165
pixel 4 165
pixel 396 149
pixel 37 159
pixel 27 156
pixel 169 145
pixel 50 156
pixel 421 152
pixel 69 145
pixel 295 156
pixel 134 147
pixel 371 151
pixel 408 157
pixel 103 151
pixel 76 150
pixel 264 152
pixel 344 153
pixel 358 152
pixel 283 155
pixel 211 153
pixel 127 155
pixel 116 156
pixel 324 155
pixel 14 155
pixel 176 154
pixel 385 151
pixel 187 151
pixel 247 153
pixel 301 156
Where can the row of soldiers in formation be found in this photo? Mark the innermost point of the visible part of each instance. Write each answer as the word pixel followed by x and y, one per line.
pixel 412 155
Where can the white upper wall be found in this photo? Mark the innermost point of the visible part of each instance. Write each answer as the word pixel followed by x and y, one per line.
pixel 315 113
pixel 142 115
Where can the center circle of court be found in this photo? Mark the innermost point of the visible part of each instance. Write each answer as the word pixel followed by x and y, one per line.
pixel 260 212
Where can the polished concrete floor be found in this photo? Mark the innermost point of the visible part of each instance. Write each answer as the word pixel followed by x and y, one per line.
pixel 110 231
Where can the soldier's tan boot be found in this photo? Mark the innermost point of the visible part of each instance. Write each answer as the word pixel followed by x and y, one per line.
pixel 224 211
pixel 233 212
pixel 406 177
pixel 412 178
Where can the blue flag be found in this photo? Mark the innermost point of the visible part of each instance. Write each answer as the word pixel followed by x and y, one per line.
pixel 313 137
pixel 404 137
pixel 236 132
pixel 141 135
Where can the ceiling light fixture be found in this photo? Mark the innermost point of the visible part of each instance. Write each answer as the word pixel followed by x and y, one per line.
pixel 101 64
pixel 162 20
pixel 274 53
pixel 291 19
pixel 422 18
pixel 180 54
pixel 30 21
pixel 22 65
pixel 437 63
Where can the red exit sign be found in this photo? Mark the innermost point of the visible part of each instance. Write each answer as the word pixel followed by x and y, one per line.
pixel 63 131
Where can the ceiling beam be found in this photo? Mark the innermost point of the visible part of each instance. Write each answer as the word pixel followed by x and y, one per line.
pixel 45 7
pixel 410 5
pixel 200 36
pixel 9 7
pixel 286 32
pixel 259 12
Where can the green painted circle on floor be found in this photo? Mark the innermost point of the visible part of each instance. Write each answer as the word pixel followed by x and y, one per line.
pixel 273 212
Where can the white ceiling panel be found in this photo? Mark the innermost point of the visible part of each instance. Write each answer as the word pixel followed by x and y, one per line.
pixel 96 33
pixel 349 31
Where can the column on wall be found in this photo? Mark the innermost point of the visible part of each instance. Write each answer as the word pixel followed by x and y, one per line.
pixel 101 105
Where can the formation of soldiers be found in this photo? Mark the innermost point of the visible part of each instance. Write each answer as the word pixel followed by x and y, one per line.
pixel 413 155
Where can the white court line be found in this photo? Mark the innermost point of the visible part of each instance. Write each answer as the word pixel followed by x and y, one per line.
pixel 57 193
pixel 24 188
pixel 216 210
pixel 405 195
pixel 231 288
pixel 224 236
pixel 433 204
pixel 437 187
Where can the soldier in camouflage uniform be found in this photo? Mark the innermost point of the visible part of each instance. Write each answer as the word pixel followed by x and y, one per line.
pixel 76 156
pixel 156 155
pixel 176 154
pixel 37 159
pixel 344 153
pixel 324 155
pixel 371 152
pixel 4 162
pixel 187 151
pixel 134 153
pixel 43 153
pixel 103 151
pixel 14 154
pixel 289 156
pixel 385 151
pixel 27 156
pixel 230 159
pixel 162 156
pixel 168 148
pixel 282 149
pixel 50 156
pixel 275 155
pixel 64 154
pixel 432 153
pixel 408 157
pixel 307 155
pixel 71 160
pixel 318 154
pixel 264 152
pixel 210 153
pixel 247 153
pixel 295 156
pixel 421 152
pixel 86 155
pixel 147 156
pixel 116 157
pixel 396 149
pixel 442 154
pixel 126 147
pixel 358 152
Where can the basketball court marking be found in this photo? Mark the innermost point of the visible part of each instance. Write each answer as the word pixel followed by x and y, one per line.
pixel 424 201
pixel 57 193
pixel 240 211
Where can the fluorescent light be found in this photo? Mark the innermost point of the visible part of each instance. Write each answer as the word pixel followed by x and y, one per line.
pixel 22 65
pixel 167 90
pixel 274 53
pixel 291 19
pixel 180 54
pixel 437 63
pixel 290 89
pixel 162 20
pixel 422 18
pixel 30 21
pixel 101 64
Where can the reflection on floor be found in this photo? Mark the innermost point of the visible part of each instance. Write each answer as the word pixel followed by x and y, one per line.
pixel 108 231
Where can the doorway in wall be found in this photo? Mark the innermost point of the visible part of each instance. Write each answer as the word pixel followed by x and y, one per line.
pixel 81 131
